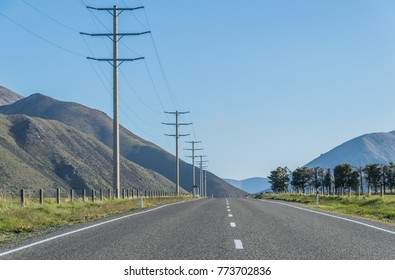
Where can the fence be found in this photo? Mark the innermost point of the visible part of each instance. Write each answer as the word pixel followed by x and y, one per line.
pixel 59 195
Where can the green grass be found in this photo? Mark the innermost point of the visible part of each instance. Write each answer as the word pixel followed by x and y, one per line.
pixel 18 221
pixel 373 207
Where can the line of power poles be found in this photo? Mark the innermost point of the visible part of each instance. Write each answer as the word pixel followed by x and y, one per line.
pixel 115 36
pixel 202 189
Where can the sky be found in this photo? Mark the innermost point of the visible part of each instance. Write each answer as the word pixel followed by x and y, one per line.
pixel 267 82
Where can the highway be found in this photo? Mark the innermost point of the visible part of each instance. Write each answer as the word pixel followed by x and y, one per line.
pixel 232 228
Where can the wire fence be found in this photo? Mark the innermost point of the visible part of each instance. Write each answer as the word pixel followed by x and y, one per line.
pixel 42 196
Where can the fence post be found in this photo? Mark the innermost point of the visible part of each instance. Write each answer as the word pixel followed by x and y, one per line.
pixel 132 193
pixel 141 200
pixel 93 195
pixel 123 193
pixel 109 193
pixel 71 195
pixel 58 196
pixel 83 195
pixel 101 194
pixel 41 196
pixel 23 197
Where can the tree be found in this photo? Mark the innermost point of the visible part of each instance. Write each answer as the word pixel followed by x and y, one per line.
pixel 300 178
pixel 318 175
pixel 389 172
pixel 279 179
pixel 342 174
pixel 328 181
pixel 372 176
pixel 353 181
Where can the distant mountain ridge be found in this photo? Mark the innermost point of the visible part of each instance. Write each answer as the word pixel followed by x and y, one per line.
pixel 8 97
pixel 98 125
pixel 362 150
pixel 251 185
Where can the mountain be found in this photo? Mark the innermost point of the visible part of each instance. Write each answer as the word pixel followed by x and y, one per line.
pixel 98 125
pixel 362 150
pixel 8 97
pixel 251 185
pixel 37 153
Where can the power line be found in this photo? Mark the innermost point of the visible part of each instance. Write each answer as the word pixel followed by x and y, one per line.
pixel 49 17
pixel 42 38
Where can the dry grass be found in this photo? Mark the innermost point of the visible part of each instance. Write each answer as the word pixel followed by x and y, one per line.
pixel 16 220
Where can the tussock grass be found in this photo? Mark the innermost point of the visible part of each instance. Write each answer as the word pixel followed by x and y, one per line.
pixel 18 221
pixel 371 207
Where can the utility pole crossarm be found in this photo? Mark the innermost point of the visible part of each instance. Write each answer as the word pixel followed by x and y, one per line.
pixel 117 34
pixel 177 135
pixel 117 9
pixel 118 59
pixel 177 113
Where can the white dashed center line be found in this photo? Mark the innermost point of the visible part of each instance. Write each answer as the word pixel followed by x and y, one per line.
pixel 233 224
pixel 230 215
pixel 238 244
pixel 228 210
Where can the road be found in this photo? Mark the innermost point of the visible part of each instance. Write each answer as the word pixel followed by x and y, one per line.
pixel 217 229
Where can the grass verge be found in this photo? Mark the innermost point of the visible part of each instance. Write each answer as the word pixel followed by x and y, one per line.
pixel 20 222
pixel 371 207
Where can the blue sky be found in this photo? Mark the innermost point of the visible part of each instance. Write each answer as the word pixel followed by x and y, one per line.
pixel 268 83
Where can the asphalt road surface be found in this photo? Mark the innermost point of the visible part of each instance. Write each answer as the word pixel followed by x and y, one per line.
pixel 217 229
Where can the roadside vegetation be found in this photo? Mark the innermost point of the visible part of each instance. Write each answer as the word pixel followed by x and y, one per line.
pixel 367 191
pixel 17 221
pixel 373 207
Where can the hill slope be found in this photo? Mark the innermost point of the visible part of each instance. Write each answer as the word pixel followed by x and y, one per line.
pixel 37 153
pixel 251 185
pixel 362 150
pixel 99 125
pixel 8 97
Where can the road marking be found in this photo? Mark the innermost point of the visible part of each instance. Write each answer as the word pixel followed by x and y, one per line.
pixel 228 210
pixel 233 224
pixel 88 227
pixel 238 244
pixel 227 206
pixel 332 216
pixel 230 215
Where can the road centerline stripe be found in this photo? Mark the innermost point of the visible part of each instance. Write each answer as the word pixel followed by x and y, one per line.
pixel 238 244
pixel 232 224
pixel 230 215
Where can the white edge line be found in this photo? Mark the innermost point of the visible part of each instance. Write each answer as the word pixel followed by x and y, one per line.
pixel 329 215
pixel 88 227
pixel 238 244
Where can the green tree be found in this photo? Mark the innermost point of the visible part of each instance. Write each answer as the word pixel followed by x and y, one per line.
pixel 328 181
pixel 342 174
pixel 389 172
pixel 301 178
pixel 279 179
pixel 372 176
pixel 353 181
